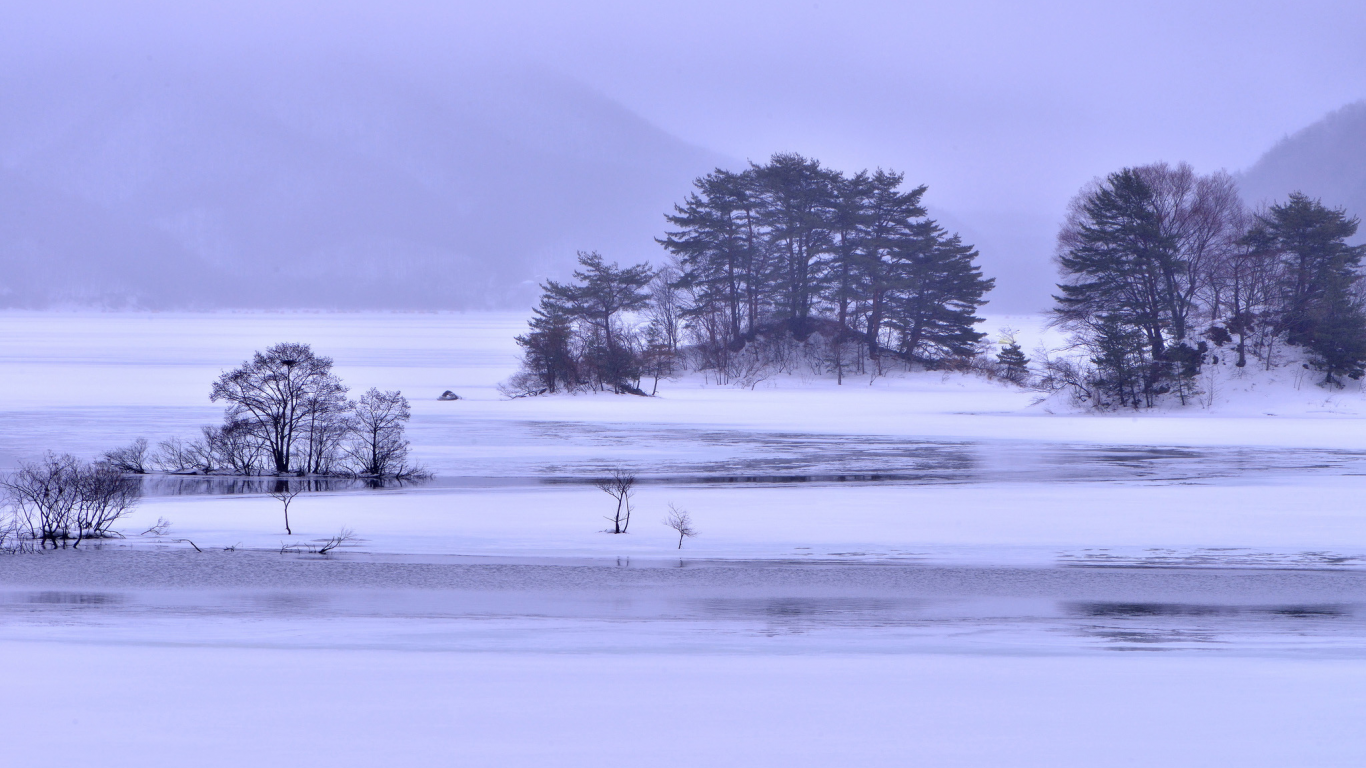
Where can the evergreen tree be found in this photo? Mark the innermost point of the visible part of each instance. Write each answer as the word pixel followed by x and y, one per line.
pixel 547 347
pixel 576 335
pixel 718 243
pixel 850 220
pixel 1319 310
pixel 934 304
pixel 1112 257
pixel 1014 364
pixel 768 257
pixel 894 228
pixel 798 213
pixel 1117 352
pixel 603 292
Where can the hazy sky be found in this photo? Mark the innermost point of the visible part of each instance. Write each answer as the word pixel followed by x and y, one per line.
pixel 1004 109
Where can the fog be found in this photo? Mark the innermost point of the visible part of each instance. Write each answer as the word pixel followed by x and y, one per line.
pixel 437 155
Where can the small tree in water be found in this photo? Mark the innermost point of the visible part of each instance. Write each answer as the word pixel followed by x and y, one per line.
pixel 620 486
pixel 680 521
pixel 284 493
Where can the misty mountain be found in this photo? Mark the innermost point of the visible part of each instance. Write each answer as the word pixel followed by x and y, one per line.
pixel 1326 160
pixel 173 182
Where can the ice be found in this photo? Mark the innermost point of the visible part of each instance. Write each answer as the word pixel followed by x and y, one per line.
pixel 917 569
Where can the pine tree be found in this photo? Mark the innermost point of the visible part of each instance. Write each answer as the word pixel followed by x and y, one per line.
pixel 1113 257
pixel 719 245
pixel 851 217
pixel 1117 352
pixel 798 212
pixel 547 347
pixel 939 291
pixel 1014 364
pixel 1319 310
pixel 895 226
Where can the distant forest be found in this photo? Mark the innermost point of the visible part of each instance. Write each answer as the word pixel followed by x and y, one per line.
pixel 792 267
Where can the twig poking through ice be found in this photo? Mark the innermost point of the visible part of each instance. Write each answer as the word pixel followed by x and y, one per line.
pixel 161 528
pixel 343 537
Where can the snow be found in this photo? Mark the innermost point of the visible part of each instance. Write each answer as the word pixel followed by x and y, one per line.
pixel 981 478
pixel 993 475
pixel 162 705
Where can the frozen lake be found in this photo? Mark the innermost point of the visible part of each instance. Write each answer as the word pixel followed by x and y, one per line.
pixel 680 606
pixel 878 565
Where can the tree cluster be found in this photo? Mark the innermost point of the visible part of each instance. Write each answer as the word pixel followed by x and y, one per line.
pixel 791 248
pixel 781 265
pixel 580 337
pixel 1159 262
pixel 287 413
pixel 59 499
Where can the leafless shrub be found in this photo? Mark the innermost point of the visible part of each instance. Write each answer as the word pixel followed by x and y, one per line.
pixel 12 539
pixel 58 497
pixel 175 455
pixel 132 458
pixel 43 494
pixel 680 521
pixel 620 486
pixel 1060 373
pixel 103 495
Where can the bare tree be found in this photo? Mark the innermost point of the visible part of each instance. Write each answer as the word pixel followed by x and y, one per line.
pixel 680 521
pixel 620 486
pixel 284 492
pixel 276 391
pixel 666 306
pixel 329 422
pixel 236 446
pixel 131 458
pixel 377 446
pixel 12 531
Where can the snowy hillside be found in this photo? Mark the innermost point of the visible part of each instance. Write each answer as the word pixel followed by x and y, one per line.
pixel 1325 160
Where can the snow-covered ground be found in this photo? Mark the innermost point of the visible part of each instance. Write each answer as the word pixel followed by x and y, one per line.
pixel 932 464
pixel 920 475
